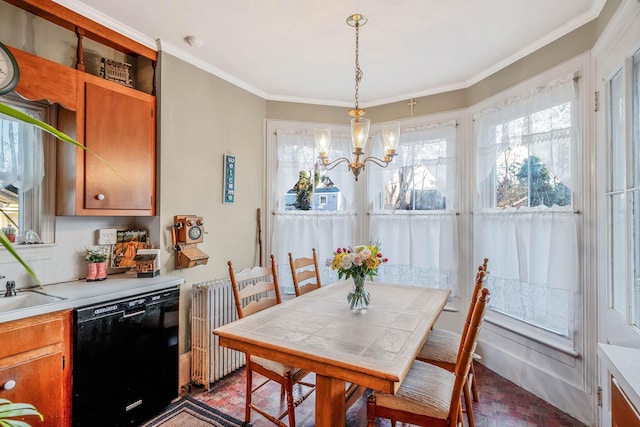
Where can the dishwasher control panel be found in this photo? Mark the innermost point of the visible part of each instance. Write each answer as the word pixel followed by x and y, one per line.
pixel 126 305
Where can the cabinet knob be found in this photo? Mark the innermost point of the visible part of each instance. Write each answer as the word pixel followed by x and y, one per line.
pixel 100 196
pixel 9 385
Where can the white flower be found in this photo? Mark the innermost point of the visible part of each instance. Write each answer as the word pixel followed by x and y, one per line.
pixel 364 252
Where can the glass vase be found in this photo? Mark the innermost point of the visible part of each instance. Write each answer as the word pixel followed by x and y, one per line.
pixel 358 297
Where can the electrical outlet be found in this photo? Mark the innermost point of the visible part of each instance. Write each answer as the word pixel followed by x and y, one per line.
pixel 107 236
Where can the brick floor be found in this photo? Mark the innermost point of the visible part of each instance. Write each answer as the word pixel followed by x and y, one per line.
pixel 502 404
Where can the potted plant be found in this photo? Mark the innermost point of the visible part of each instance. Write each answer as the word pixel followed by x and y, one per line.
pixel 10 232
pixel 97 259
pixel 12 410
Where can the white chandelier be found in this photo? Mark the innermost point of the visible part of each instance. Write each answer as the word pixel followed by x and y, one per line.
pixel 359 126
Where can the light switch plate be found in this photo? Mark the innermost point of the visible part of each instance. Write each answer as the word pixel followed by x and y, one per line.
pixel 107 236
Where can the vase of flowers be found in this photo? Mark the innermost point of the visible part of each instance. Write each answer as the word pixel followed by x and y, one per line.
pixel 97 259
pixel 357 263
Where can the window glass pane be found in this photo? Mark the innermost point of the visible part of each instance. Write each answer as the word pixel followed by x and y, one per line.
pixel 636 179
pixel 422 177
pixel 619 252
pixel 414 186
pixel 301 184
pixel 635 167
pixel 21 169
pixel 635 315
pixel 525 169
pixel 616 123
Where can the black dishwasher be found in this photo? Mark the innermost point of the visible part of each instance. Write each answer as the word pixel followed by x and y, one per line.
pixel 125 359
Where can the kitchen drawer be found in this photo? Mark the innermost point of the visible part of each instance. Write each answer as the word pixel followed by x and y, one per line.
pixel 30 334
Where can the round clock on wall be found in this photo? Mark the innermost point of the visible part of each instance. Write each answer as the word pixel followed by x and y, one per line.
pixel 9 72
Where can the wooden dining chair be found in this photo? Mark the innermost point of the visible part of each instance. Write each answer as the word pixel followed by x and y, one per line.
pixel 305 273
pixel 430 395
pixel 443 346
pixel 256 289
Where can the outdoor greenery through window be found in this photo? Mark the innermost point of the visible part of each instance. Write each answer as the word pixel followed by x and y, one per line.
pixel 522 177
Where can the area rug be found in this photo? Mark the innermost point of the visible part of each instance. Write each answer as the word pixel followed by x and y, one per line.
pixel 188 412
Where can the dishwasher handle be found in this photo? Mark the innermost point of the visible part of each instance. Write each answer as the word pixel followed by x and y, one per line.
pixel 134 313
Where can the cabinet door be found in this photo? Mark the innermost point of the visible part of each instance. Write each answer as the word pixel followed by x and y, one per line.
pixel 119 127
pixel 623 414
pixel 39 382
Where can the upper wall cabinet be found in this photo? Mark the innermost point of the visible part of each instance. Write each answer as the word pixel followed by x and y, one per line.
pixel 117 124
pixel 121 127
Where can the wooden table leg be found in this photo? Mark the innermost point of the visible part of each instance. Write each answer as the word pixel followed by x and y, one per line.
pixel 330 402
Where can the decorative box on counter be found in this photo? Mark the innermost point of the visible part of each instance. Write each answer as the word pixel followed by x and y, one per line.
pixel 148 262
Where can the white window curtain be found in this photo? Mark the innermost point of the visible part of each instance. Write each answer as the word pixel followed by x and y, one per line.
pixel 420 242
pixel 298 231
pixel 532 251
pixel 21 152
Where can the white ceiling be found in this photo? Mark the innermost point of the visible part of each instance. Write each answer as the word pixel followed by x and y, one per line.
pixel 303 50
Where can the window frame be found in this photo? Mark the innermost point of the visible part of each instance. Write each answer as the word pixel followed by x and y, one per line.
pixel 573 346
pixel 40 201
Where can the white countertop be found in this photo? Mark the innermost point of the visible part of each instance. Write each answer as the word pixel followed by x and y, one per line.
pixel 80 293
pixel 624 365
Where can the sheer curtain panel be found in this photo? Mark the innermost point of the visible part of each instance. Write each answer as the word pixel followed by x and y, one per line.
pixel 412 208
pixel 21 152
pixel 298 230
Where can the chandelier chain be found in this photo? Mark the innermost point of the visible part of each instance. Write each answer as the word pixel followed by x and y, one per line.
pixel 358 70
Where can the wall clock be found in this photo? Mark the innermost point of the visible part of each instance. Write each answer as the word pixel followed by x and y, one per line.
pixel 9 72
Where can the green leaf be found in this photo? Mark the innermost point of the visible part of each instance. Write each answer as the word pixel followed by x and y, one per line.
pixel 18 410
pixel 13 423
pixel 9 247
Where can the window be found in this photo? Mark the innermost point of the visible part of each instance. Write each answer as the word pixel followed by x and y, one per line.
pixel 413 206
pixel 23 153
pixel 624 193
pixel 524 220
pixel 311 207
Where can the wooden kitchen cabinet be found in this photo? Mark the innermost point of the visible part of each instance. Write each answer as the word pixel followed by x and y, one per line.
pixel 115 122
pixel 35 366
pixel 118 124
pixel 623 413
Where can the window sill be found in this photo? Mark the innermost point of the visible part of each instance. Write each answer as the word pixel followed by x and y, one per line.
pixel 556 343
pixel 28 253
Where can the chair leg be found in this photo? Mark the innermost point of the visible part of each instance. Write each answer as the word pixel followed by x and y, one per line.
pixel 247 409
pixel 371 410
pixel 290 406
pixel 474 386
pixel 468 406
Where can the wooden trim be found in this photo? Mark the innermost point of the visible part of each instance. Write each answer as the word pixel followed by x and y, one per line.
pixel 66 18
pixel 43 79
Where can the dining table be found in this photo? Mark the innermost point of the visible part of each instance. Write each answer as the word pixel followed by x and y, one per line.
pixel 319 332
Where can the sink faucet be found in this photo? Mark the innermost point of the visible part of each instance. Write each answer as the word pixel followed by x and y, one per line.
pixel 11 288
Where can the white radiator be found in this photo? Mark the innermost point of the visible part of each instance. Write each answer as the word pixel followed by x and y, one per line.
pixel 212 305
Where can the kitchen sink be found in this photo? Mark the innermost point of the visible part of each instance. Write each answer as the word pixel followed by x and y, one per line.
pixel 26 299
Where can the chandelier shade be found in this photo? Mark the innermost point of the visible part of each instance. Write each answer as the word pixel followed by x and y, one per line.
pixel 359 125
